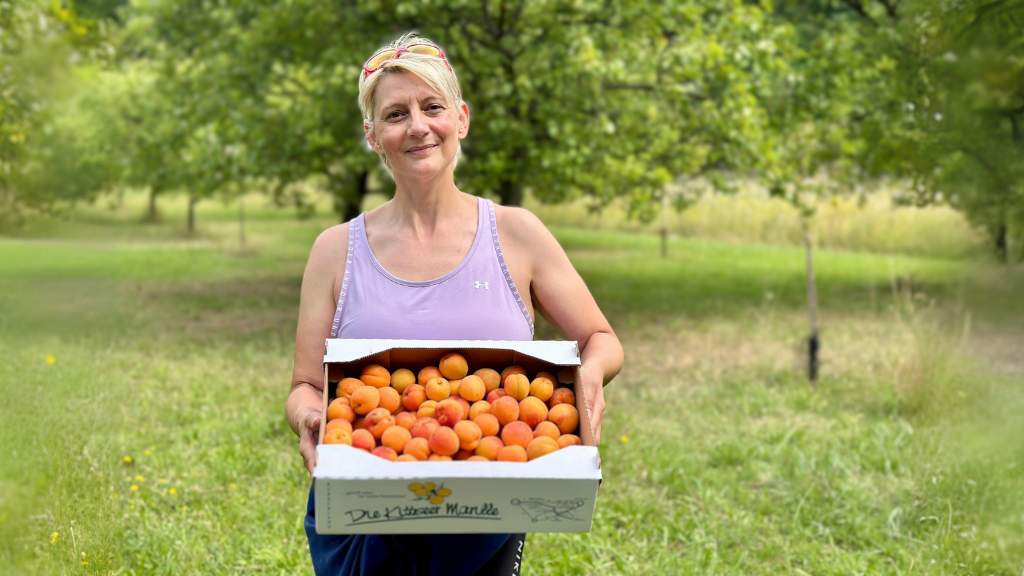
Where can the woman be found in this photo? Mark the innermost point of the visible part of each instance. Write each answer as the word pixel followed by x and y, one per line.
pixel 433 263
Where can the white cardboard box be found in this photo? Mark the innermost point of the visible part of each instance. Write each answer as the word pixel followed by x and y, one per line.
pixel 358 493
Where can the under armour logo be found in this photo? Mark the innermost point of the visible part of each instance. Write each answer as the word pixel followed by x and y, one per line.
pixel 484 285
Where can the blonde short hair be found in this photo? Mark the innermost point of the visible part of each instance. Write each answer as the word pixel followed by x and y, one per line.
pixel 430 69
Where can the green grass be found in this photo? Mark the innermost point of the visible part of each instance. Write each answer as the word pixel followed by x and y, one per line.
pixel 717 455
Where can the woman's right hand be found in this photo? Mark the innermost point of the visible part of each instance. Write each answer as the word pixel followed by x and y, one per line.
pixel 308 420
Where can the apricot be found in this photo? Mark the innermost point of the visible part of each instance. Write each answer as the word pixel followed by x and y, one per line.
pixel 363 439
pixel 465 407
pixel 427 409
pixel 532 411
pixel 477 459
pixel 347 386
pixel 517 386
pixel 338 410
pixel 439 458
pixel 365 399
pixel 569 440
pixel 547 429
pixel 438 389
pixel 463 454
pixel 376 415
pixel 444 441
pixel 478 408
pixel 419 448
pixel 338 436
pixel 518 433
pixel 505 409
pixel 359 424
pixel 389 398
pixel 469 434
pixel 426 374
pixel 405 419
pixel 512 370
pixel 381 426
pixel 424 427
pixel 540 446
pixel 454 386
pixel 338 423
pixel 565 417
pixel 542 388
pixel 488 424
pixel 385 453
pixel 401 379
pixel 562 396
pixel 406 458
pixel 547 375
pixel 489 447
pixel 453 366
pixel 448 412
pixel 492 380
pixel 413 396
pixel 512 454
pixel 495 394
pixel 566 375
pixel 395 437
pixel 472 389
pixel 376 375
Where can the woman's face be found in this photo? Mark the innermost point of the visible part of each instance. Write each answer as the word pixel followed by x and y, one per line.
pixel 416 128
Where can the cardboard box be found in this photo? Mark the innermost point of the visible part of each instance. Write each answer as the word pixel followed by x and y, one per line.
pixel 358 493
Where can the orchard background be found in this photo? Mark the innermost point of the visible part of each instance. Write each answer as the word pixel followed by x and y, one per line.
pixel 166 166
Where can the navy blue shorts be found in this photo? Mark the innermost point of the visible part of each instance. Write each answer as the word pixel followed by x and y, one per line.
pixel 412 555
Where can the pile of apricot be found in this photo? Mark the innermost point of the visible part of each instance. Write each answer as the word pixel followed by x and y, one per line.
pixel 445 413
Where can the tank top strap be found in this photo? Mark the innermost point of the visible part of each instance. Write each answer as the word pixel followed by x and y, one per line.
pixel 493 224
pixel 355 225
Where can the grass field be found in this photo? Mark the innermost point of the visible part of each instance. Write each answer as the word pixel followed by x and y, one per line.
pixel 155 441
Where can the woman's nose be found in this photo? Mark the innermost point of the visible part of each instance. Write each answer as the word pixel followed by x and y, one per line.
pixel 418 127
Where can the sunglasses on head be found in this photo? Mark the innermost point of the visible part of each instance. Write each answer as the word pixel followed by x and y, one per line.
pixel 378 59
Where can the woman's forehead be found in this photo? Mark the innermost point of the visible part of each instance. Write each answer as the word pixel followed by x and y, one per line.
pixel 404 87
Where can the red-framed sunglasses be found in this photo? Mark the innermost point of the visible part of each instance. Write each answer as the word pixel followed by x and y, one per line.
pixel 378 59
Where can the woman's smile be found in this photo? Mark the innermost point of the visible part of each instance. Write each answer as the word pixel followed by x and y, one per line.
pixel 421 150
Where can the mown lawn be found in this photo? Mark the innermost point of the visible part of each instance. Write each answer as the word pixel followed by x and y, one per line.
pixel 155 442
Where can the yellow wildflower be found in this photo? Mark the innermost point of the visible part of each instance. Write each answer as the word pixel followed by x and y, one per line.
pixel 625 439
pixel 139 478
pixel 134 488
pixel 173 491
pixel 50 359
pixel 233 486
pixel 128 459
pixel 148 453
pixel 132 506
pixel 53 538
pixel 84 563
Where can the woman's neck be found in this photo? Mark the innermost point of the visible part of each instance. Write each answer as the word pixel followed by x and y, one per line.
pixel 425 206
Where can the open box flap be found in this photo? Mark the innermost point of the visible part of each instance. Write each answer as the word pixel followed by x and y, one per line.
pixel 558 352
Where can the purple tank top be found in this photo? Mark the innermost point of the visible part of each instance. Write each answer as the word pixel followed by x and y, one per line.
pixel 476 301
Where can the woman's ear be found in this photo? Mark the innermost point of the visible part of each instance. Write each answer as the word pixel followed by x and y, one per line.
pixel 371 138
pixel 463 119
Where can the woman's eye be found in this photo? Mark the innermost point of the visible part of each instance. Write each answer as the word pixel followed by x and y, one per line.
pixel 435 107
pixel 394 115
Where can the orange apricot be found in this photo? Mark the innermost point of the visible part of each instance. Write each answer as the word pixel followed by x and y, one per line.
pixel 338 436
pixel 453 366
pixel 492 380
pixel 506 409
pixel 532 411
pixel 477 459
pixel 401 379
pixel 472 389
pixel 512 454
pixel 488 447
pixel 363 439
pixel 359 424
pixel 426 374
pixel 454 386
pixel 547 429
pixel 469 434
pixel 376 415
pixel 338 423
pixel 439 458
pixel 542 388
pixel 376 375
pixel 389 398
pixel 512 370
pixel 405 419
pixel 438 389
pixel 385 453
pixel 381 426
pixel 413 396
pixel 569 440
pixel 517 386
pixel 347 386
pixel 465 407
pixel 444 441
pixel 478 408
pixel 365 399
pixel 518 433
pixel 495 394
pixel 463 455
pixel 488 424
pixel 418 448
pixel 338 410
pixel 448 412
pixel 427 409
pixel 395 437
pixel 424 427
pixel 540 446
pixel 565 417
pixel 547 375
pixel 562 396
pixel 407 458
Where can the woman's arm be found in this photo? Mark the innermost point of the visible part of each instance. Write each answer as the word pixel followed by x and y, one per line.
pixel 560 295
pixel 317 304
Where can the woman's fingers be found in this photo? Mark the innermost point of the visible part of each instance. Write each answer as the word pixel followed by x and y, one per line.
pixel 307 441
pixel 594 390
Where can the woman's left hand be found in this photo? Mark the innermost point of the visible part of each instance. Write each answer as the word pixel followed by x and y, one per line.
pixel 593 390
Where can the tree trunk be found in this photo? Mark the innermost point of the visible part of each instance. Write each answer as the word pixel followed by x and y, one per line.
pixel 355 204
pixel 348 193
pixel 812 309
pixel 511 193
pixel 151 214
pixel 192 214
pixel 241 219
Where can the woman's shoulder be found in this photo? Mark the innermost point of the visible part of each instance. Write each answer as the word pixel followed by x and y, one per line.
pixel 519 224
pixel 331 244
